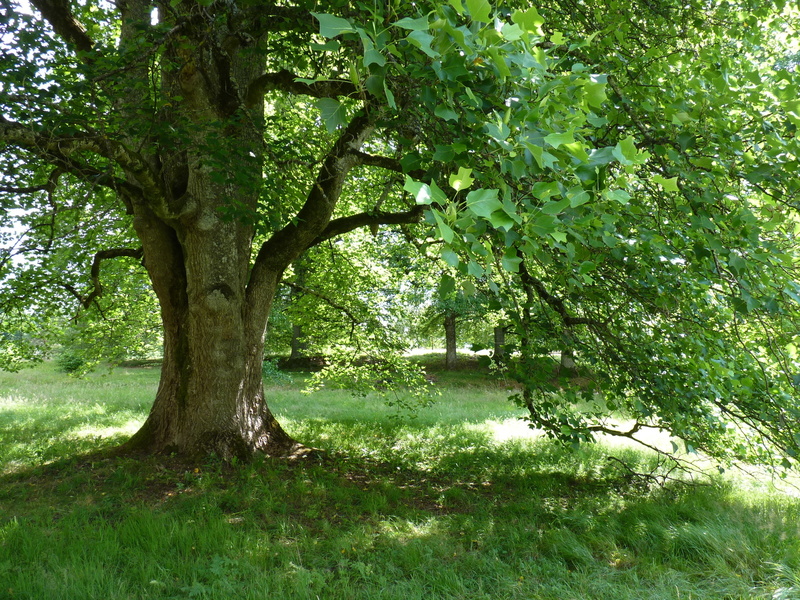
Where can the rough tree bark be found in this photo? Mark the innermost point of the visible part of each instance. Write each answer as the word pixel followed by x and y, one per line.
pixel 215 296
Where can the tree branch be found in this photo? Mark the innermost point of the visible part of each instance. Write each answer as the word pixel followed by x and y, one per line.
pixel 65 152
pixel 344 225
pixel 557 304
pixel 292 240
pixel 286 81
pixel 97 288
pixel 325 298
pixel 61 19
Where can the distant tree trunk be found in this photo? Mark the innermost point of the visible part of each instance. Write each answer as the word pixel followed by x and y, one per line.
pixel 299 344
pixel 567 364
pixel 499 344
pixel 450 340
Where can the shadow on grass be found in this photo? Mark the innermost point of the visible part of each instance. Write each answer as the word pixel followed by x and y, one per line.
pixel 434 507
pixel 398 511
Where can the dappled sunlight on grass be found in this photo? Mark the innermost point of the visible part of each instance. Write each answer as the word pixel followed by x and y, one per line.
pixel 463 501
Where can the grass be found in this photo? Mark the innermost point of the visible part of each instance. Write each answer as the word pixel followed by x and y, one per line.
pixel 454 503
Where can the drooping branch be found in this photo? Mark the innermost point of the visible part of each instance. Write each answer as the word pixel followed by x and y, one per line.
pixel 97 288
pixel 286 81
pixel 557 304
pixel 325 299
pixel 61 19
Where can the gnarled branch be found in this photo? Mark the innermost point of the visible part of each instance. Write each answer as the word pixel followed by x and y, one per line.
pixel 65 151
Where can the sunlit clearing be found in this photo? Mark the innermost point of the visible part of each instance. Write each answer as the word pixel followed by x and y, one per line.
pixel 507 429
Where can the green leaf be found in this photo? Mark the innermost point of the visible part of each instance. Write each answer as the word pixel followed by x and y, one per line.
pixel 475 269
pixel 445 112
pixel 461 180
pixel 670 185
pixel 423 40
pixel 371 55
pixel 544 190
pixel 511 31
pixel 737 264
pixel 446 286
pixel 329 46
pixel 620 196
pixel 483 202
pixel 420 24
pixel 499 63
pixel 500 218
pixel 333 113
pixel 480 10
pixel 445 230
pixel 581 197
pixel 554 208
pixel 511 261
pixel 529 20
pixel 421 191
pixel 424 193
pixel 389 96
pixel 556 139
pixel 595 92
pixel 625 151
pixel 450 257
pixel 331 26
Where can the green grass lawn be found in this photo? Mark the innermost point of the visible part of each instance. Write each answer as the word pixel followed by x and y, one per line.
pixel 457 502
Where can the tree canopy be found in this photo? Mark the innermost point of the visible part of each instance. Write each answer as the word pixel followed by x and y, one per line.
pixel 620 175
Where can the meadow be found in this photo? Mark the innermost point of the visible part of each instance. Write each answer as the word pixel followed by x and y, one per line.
pixel 460 501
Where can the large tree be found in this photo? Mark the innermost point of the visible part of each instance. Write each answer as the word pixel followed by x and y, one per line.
pixel 221 138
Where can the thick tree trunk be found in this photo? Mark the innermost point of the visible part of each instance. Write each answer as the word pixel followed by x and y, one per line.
pixel 450 341
pixel 210 399
pixel 185 152
pixel 212 403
